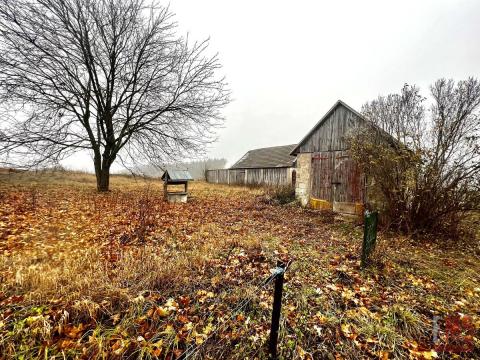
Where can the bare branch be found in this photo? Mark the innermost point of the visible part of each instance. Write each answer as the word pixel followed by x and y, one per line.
pixel 109 76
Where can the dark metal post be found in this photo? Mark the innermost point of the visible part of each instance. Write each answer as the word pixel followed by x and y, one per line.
pixel 369 236
pixel 277 306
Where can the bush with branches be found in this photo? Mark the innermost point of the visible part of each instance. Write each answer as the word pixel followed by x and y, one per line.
pixel 423 163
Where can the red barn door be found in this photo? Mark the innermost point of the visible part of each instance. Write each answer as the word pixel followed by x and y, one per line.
pixel 337 179
pixel 322 175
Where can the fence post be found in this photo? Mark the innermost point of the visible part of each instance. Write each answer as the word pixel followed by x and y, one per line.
pixel 369 236
pixel 277 306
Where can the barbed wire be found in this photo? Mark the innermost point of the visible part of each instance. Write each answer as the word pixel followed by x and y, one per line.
pixel 227 291
pixel 195 349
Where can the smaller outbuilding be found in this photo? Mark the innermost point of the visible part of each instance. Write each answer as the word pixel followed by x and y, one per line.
pixel 176 177
pixel 271 166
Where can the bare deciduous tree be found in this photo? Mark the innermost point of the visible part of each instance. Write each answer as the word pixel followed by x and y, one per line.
pixel 108 76
pixel 400 115
pixel 432 177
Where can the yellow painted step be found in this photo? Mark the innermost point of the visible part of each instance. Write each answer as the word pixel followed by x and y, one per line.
pixel 319 204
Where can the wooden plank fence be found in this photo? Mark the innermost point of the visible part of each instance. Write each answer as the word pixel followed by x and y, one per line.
pixel 252 177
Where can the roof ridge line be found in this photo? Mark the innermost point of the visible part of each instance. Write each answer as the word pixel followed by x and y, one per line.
pixel 271 147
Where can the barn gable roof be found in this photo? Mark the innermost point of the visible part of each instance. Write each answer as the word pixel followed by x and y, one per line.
pixel 270 157
pixel 322 120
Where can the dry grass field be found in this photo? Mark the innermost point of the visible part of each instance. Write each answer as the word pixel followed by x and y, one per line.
pixel 126 275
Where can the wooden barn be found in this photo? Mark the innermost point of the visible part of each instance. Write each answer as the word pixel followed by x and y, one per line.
pixel 327 177
pixel 274 166
pixel 319 166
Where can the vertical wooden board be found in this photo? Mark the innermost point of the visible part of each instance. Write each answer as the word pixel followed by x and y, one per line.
pixel 260 176
pixel 348 179
pixel 212 176
pixel 356 183
pixel 209 176
pixel 340 124
pixel 335 121
pixel 241 177
pixel 237 176
pixel 279 176
pixel 267 177
pixel 274 176
pixel 223 176
pixel 232 175
pixel 331 133
pixel 322 175
pixel 340 175
pixel 283 176
pixel 252 175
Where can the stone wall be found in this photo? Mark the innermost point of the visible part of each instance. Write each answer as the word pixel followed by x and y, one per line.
pixel 302 186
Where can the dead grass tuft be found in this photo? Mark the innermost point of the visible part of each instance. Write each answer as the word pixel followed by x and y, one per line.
pixel 93 284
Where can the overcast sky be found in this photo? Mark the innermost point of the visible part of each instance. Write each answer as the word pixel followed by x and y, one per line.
pixel 287 62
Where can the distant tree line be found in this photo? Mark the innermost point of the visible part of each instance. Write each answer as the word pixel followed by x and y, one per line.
pixel 196 168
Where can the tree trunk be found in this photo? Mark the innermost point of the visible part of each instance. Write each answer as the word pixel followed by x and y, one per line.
pixel 102 172
pixel 103 180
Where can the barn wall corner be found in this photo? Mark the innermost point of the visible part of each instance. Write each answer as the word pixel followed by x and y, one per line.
pixel 302 184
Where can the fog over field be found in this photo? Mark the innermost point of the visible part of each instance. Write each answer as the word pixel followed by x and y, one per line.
pixel 288 62
pixel 167 190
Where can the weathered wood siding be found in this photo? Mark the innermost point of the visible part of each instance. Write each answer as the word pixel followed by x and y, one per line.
pixel 222 176
pixel 276 177
pixel 331 134
pixel 254 177
pixel 236 176
pixel 337 178
pixel 334 176
pixel 211 176
pixel 348 180
pixel 322 174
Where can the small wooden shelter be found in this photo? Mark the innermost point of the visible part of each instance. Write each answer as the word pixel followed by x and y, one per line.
pixel 176 177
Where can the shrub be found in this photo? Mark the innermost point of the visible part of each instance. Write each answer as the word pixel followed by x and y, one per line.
pixel 280 194
pixel 426 169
